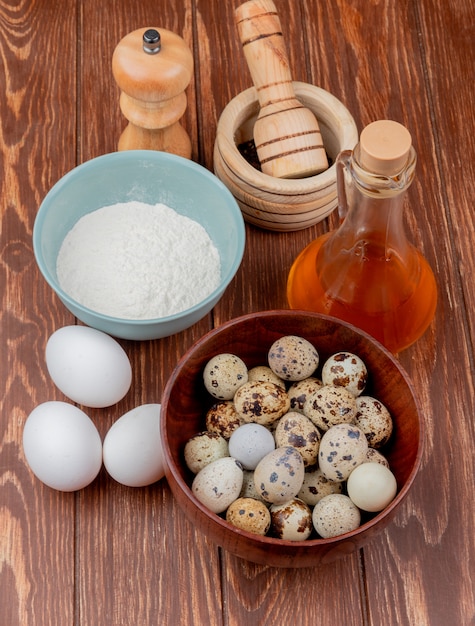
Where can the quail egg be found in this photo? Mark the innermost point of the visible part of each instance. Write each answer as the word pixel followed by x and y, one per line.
pixel 335 515
pixel 263 373
pixel 330 405
pixel 371 486
pixel 315 486
pixel 347 370
pixel 293 358
pixel 375 456
pixel 299 391
pixel 296 430
pixel 250 443
pixel 261 402
pixel 218 484
pixel 342 448
pixel 278 477
pixel 249 514
pixel 248 489
pixel 291 520
pixel 374 419
pixel 222 418
pixel 204 448
pixel 223 375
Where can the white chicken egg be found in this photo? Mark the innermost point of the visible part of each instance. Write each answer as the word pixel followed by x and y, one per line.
pixel 62 446
pixel 88 366
pixel 132 449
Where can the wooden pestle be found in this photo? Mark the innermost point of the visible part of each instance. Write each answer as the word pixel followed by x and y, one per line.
pixel 287 135
pixel 153 68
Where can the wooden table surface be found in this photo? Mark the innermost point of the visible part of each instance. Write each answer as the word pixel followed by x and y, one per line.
pixel 115 556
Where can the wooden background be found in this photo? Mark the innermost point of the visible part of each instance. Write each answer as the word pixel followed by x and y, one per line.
pixel 114 556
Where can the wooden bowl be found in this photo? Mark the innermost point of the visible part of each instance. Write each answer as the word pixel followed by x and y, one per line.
pixel 185 402
pixel 275 203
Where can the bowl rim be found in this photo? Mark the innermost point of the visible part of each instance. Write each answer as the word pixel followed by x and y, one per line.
pixel 233 115
pixel 133 155
pixel 355 534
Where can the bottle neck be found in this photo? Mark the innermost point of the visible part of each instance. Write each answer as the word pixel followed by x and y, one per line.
pixel 371 206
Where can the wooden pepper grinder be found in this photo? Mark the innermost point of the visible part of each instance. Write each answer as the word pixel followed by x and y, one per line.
pixel 153 68
pixel 287 135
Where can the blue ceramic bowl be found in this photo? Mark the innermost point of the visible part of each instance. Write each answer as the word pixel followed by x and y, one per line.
pixel 151 177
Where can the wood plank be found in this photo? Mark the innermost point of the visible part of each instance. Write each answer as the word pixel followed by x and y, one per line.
pixel 153 566
pixel 36 523
pixel 256 594
pixel 388 79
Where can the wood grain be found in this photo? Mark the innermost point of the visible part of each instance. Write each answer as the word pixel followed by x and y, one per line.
pixel 114 556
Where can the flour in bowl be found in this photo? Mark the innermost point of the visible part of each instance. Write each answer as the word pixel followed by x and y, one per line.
pixel 138 261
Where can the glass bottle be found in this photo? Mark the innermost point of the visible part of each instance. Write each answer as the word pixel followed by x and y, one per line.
pixel 367 272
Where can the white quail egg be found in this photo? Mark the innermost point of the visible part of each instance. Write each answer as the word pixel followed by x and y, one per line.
pixel 371 486
pixel 293 358
pixel 250 443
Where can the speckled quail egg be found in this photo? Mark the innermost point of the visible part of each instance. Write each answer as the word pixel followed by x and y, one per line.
pixel 278 477
pixel 342 448
pixel 335 515
pixel 248 489
pixel 222 418
pixel 315 486
pixel 371 486
pixel 250 443
pixel 204 448
pixel 249 514
pixel 261 402
pixel 293 358
pixel 223 375
pixel 375 456
pixel 300 390
pixel 218 484
pixel 296 430
pixel 263 373
pixel 329 406
pixel 345 369
pixel 374 419
pixel 291 521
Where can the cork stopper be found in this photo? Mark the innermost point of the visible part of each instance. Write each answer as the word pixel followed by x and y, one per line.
pixel 384 147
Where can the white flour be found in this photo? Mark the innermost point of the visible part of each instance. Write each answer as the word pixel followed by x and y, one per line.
pixel 138 261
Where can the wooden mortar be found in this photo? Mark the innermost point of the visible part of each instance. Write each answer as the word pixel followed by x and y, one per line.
pixel 280 204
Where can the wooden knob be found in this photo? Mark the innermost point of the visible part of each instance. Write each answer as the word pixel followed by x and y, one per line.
pixel 287 134
pixel 153 67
